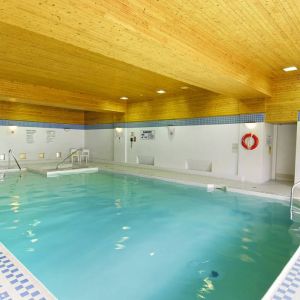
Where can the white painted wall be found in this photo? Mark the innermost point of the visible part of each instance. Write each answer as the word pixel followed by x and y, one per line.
pixel 101 143
pixel 297 164
pixel 120 145
pixel 267 151
pixel 193 148
pixel 256 165
pixel 200 145
pixel 64 140
pixel 286 151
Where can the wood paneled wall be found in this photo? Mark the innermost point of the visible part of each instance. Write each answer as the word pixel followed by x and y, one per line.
pixel 205 105
pixel 92 118
pixel 42 95
pixel 37 113
pixel 282 107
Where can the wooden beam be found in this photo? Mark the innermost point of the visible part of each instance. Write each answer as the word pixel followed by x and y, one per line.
pixel 40 95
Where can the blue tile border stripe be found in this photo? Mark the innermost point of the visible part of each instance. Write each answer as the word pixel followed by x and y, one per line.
pixel 16 282
pixel 234 119
pixel 40 125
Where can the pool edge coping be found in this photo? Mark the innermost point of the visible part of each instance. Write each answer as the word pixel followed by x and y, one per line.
pixel 29 276
pixel 199 184
pixel 274 290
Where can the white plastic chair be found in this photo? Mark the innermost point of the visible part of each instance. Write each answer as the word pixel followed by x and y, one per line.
pixel 76 156
pixel 85 155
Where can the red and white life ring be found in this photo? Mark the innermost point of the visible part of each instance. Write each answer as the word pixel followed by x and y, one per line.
pixel 250 141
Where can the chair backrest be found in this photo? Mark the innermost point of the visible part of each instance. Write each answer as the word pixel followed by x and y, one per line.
pixel 85 152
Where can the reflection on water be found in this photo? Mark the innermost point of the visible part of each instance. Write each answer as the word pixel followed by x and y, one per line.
pixel 120 244
pixel 118 203
pixel 206 288
pixel 144 239
pixel 246 258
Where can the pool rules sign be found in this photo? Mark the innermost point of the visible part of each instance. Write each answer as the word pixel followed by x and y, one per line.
pixel 147 134
pixel 51 136
pixel 30 136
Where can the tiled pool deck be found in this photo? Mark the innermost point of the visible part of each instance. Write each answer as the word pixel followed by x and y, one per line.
pixel 287 284
pixel 16 282
pixel 273 189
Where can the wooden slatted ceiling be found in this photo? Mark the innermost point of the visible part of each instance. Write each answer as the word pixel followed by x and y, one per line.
pixel 32 58
pixel 216 45
pixel 232 47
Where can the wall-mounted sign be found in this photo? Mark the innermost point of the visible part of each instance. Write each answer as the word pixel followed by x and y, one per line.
pixel 50 136
pixel 147 134
pixel 30 136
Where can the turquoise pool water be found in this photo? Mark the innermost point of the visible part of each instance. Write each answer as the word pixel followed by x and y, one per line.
pixel 108 236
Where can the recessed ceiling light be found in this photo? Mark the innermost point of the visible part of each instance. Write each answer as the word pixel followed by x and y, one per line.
pixel 124 98
pixel 184 87
pixel 289 69
pixel 160 92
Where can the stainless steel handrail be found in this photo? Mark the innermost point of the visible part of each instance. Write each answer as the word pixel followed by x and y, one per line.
pixel 10 152
pixel 72 153
pixel 292 198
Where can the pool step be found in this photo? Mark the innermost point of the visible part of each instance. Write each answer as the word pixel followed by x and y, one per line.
pixel 16 281
pixel 50 172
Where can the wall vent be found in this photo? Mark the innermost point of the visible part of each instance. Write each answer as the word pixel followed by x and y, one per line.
pixel 145 160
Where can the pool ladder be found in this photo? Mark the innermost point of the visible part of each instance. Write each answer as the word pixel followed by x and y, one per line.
pixel 293 210
pixel 68 156
pixel 10 153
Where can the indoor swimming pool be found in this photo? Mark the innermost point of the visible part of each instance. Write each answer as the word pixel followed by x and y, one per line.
pixel 111 236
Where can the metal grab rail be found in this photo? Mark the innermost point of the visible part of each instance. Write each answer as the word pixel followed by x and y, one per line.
pixel 10 152
pixel 68 156
pixel 292 198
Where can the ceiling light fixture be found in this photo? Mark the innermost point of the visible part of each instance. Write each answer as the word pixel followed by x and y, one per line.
pixel 289 69
pixel 124 98
pixel 184 87
pixel 161 92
